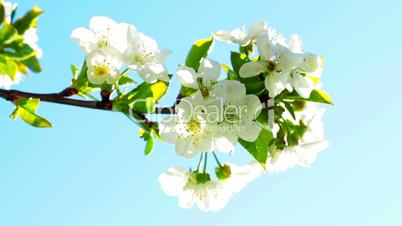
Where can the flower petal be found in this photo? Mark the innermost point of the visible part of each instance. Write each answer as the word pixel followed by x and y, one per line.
pixel 173 181
pixel 101 23
pixel 251 69
pixel 85 39
pixel 303 85
pixel 187 77
pixel 275 83
pixel 209 69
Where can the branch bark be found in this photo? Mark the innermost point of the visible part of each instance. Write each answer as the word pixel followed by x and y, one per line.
pixel 62 98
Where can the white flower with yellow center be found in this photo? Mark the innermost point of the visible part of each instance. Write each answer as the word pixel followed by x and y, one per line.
pixel 188 129
pixel 104 66
pixel 235 112
pixel 311 144
pixel 204 79
pixel 102 32
pixel 145 57
pixel 285 67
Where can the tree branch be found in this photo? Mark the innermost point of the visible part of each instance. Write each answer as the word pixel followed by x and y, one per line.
pixel 62 98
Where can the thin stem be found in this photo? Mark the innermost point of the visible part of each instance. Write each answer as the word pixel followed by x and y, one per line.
pixel 205 162
pixel 216 159
pixel 199 162
pixel 125 70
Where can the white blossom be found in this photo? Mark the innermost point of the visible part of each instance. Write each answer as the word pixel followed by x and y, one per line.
pixel 104 66
pixel 235 115
pixel 102 32
pixel 204 79
pixel 188 129
pixel 284 65
pixel 210 195
pixel 145 57
pixel 242 36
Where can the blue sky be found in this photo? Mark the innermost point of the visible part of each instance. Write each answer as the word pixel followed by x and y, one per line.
pixel 89 170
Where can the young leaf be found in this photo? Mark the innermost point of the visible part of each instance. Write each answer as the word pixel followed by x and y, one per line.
pixel 8 66
pixel 28 20
pixel 26 110
pixel 125 80
pixel 237 60
pixel 7 34
pixel 141 99
pixel 259 149
pixel 198 51
pixel 149 141
pixel 320 96
pixel 20 51
pixel 2 12
pixel 33 64
pixel 316 95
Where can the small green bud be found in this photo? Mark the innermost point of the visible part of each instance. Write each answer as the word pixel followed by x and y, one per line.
pixel 223 172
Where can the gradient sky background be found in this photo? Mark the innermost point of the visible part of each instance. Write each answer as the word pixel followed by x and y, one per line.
pixel 89 170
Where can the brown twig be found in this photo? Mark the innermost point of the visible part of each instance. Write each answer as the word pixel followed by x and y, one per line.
pixel 62 98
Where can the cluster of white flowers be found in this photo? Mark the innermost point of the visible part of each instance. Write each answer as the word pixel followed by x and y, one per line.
pixel 220 112
pixel 285 64
pixel 30 37
pixel 213 118
pixel 110 46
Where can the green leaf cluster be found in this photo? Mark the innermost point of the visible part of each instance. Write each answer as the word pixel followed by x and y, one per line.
pixel 15 54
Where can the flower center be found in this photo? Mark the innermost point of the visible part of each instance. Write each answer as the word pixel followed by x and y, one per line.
pixel 194 126
pixel 139 59
pixel 101 70
pixel 271 65
pixel 103 42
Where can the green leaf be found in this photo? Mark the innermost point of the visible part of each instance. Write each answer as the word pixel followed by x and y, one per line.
pixel 33 64
pixel 8 34
pixel 26 110
pixel 290 109
pixel 260 148
pixel 21 51
pixel 237 60
pixel 28 20
pixel 8 66
pixel 2 12
pixel 149 141
pixel 80 80
pixel 316 95
pixel 320 96
pixel 186 91
pixel 125 80
pixel 141 99
pixel 198 51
